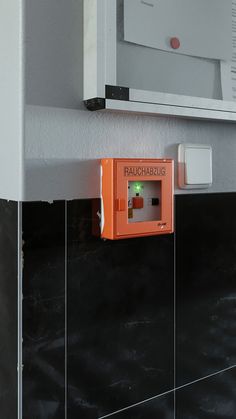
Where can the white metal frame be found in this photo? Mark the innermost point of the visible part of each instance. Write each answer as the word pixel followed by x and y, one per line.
pixel 100 69
pixel 100 35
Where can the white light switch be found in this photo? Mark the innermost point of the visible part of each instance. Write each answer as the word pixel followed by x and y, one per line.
pixel 195 166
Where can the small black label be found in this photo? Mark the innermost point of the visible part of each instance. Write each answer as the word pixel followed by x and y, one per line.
pixel 155 202
pixel 117 93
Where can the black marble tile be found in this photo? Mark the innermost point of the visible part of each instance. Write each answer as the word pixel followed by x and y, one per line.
pixel 206 284
pixel 160 408
pixel 44 310
pixel 120 318
pixel 8 309
pixel 212 398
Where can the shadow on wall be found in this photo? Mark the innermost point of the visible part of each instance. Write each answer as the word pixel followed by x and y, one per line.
pixel 62 179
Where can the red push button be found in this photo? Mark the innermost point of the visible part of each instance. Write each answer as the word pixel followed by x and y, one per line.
pixel 138 202
pixel 175 43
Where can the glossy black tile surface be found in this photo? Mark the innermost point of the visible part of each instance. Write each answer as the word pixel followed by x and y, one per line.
pixel 8 309
pixel 213 398
pixel 120 318
pixel 206 284
pixel 159 408
pixel 44 311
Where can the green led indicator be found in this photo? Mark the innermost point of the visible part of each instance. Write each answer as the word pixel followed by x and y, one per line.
pixel 138 187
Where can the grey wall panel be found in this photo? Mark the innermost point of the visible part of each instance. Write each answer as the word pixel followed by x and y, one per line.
pixel 54 45
pixel 146 68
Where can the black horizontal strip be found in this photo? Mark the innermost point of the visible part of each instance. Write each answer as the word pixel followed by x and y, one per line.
pixel 117 93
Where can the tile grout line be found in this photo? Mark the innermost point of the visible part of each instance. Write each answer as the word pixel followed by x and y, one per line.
pixel 66 314
pixel 168 392
pixel 20 310
pixel 175 314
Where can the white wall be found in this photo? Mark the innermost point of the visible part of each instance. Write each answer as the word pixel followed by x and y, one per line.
pixel 11 99
pixel 60 132
pixel 58 137
pixel 52 151
pixel 62 141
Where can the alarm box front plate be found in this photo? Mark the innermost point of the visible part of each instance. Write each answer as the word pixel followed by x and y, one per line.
pixel 137 197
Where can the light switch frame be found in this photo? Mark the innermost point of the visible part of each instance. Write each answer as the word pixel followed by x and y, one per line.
pixel 182 166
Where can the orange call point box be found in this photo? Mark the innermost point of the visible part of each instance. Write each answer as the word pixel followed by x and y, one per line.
pixel 137 197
